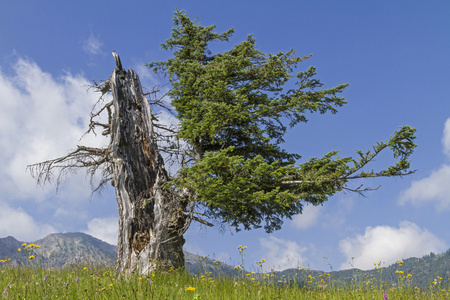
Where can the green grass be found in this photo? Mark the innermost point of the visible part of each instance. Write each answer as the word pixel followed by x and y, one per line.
pixel 28 281
pixel 92 282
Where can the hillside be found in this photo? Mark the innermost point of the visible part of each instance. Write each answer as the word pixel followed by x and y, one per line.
pixel 423 272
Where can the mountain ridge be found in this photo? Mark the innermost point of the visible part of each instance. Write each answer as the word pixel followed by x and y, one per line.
pixel 76 248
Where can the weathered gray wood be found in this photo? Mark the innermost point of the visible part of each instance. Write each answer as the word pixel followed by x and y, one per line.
pixel 151 219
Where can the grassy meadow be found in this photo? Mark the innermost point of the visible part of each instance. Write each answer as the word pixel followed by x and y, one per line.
pixel 25 280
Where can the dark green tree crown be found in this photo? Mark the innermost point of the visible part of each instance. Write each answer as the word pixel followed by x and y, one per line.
pixel 234 111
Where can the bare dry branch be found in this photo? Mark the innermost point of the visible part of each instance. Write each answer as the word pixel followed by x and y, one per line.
pixel 93 123
pixel 91 159
pixel 204 222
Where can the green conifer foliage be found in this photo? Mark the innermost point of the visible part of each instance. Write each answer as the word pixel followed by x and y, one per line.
pixel 234 110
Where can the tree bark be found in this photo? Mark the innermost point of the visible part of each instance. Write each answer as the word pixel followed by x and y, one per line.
pixel 151 219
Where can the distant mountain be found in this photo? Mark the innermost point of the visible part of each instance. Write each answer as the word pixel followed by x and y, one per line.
pixel 200 265
pixel 61 249
pixel 8 248
pixel 430 270
pixel 66 249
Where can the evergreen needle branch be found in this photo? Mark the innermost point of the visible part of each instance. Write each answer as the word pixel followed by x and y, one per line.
pixel 337 179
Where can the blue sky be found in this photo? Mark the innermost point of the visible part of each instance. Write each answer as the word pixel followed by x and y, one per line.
pixel 394 55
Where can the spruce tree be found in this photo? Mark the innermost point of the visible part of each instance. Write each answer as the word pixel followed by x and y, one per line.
pixel 234 110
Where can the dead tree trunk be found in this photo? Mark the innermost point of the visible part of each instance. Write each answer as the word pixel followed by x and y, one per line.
pixel 151 219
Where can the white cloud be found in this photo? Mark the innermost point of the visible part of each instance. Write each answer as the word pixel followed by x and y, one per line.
pixel 17 223
pixel 307 218
pixel 446 137
pixel 388 244
pixel 434 188
pixel 92 45
pixel 281 254
pixel 323 216
pixel 105 229
pixel 41 118
pixel 336 218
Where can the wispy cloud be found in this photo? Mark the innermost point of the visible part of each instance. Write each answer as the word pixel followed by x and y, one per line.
pixel 281 254
pixel 323 216
pixel 105 229
pixel 307 218
pixel 92 45
pixel 17 223
pixel 42 117
pixel 434 188
pixel 446 137
pixel 388 245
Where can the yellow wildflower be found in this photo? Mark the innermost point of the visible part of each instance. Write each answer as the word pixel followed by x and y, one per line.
pixel 190 288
